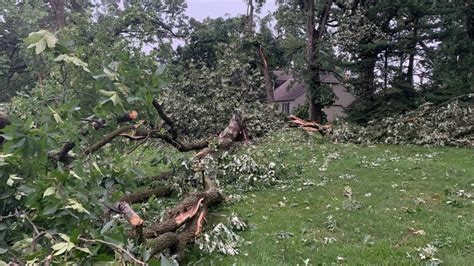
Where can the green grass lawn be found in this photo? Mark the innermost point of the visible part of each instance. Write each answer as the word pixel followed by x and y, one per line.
pixel 351 204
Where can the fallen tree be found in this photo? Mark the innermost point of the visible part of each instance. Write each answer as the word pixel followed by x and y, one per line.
pixel 446 124
pixel 183 223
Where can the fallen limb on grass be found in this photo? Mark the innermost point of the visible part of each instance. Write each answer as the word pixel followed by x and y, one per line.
pixel 189 214
pixel 183 223
pixel 308 126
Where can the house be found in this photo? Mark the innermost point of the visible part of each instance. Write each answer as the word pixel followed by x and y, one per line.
pixel 290 93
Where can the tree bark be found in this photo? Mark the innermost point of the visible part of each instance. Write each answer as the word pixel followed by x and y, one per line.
pixel 59 11
pixel 250 9
pixel 266 75
pixel 3 123
pixel 385 70
pixel 108 138
pixel 368 73
pixel 313 38
pixel 260 53
pixel 411 58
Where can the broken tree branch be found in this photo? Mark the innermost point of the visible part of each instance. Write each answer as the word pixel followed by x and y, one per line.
pixel 145 195
pixel 172 130
pixel 108 138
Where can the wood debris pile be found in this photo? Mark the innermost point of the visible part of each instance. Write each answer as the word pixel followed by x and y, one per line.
pixel 308 126
pixel 448 124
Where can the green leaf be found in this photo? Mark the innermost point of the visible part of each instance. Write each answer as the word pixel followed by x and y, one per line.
pixel 60 246
pixel 40 46
pixel 61 251
pixel 7 136
pixel 64 237
pixel 75 175
pixel 85 250
pixel 75 235
pixel 107 226
pixel 73 204
pixel 74 60
pixel 50 210
pixel 12 178
pixel 107 93
pixel 40 40
pixel 50 40
pixel 18 144
pixel 154 262
pixel 34 37
pixel 56 116
pixel 116 99
pixel 49 191
pixel 111 74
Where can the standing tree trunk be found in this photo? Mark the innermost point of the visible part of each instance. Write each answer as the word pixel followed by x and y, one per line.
pixel 249 21
pixel 469 10
pixel 313 38
pixel 385 69
pixel 58 8
pixel 367 81
pixel 411 58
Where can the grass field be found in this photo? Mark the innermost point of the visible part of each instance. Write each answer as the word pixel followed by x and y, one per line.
pixel 350 204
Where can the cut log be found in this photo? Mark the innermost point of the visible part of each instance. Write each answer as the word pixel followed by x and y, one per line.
pixel 132 217
pixel 308 126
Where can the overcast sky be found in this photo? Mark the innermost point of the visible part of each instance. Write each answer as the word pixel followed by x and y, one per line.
pixel 201 9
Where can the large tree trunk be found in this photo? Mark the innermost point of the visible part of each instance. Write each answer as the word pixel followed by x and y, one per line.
pixel 250 9
pixel 411 58
pixel 367 82
pixel 313 82
pixel 313 39
pixel 469 5
pixel 59 11
pixel 385 69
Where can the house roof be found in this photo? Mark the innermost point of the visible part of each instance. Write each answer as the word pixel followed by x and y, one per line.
pixel 288 89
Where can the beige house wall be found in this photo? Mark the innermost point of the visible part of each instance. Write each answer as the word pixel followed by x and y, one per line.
pixel 297 102
pixel 334 111
pixel 343 96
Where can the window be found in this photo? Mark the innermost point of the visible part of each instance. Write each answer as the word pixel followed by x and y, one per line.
pixel 285 108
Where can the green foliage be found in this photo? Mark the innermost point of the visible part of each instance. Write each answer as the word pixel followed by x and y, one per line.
pixel 447 124
pixel 234 86
pixel 48 204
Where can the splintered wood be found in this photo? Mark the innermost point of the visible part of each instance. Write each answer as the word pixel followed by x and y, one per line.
pixel 308 126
